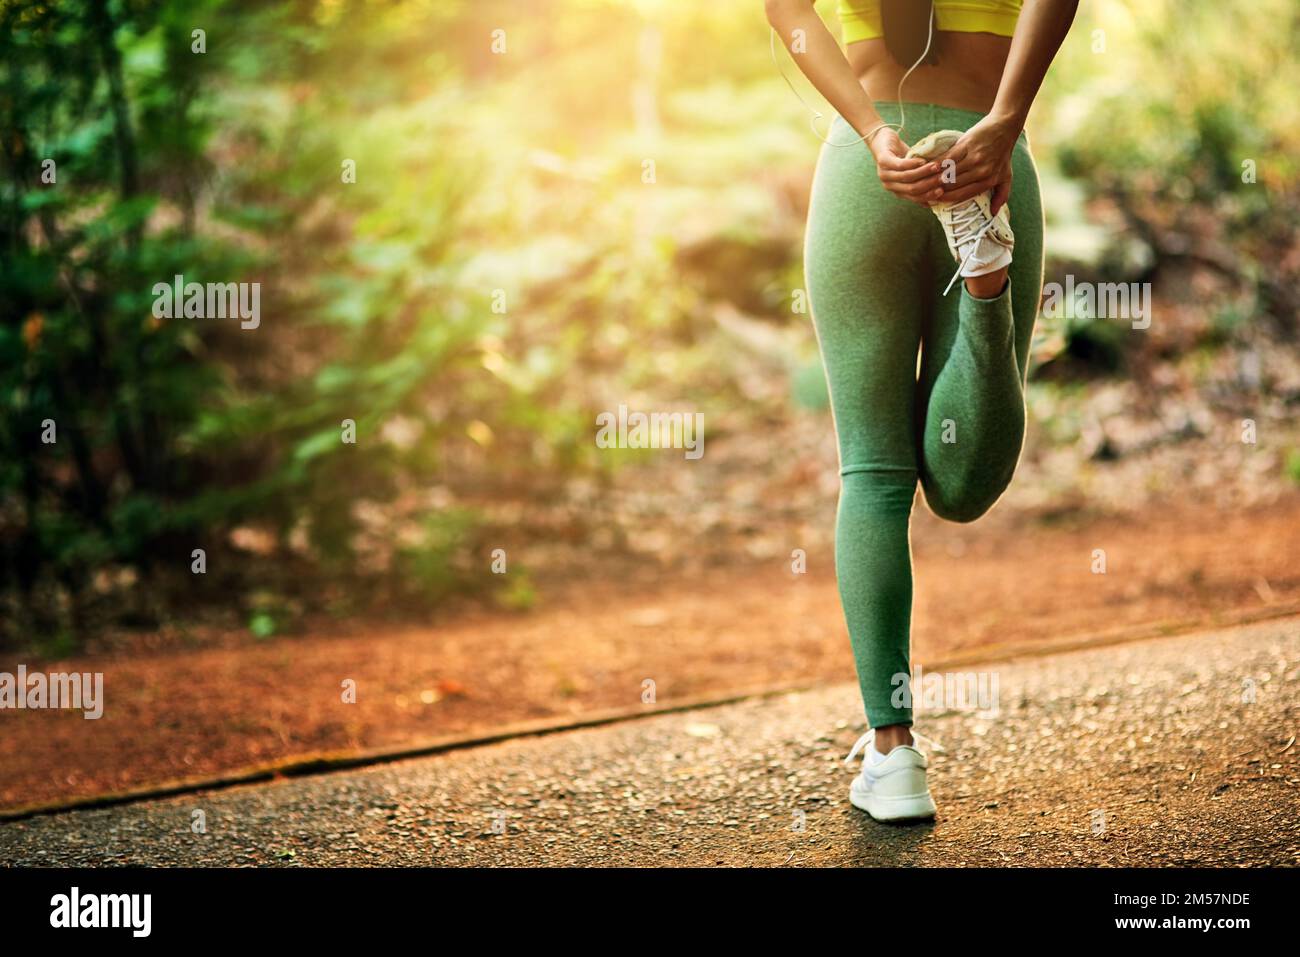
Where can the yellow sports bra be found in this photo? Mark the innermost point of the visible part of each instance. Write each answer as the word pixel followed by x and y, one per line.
pixel 860 19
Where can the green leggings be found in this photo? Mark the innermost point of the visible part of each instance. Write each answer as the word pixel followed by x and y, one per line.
pixel 876 267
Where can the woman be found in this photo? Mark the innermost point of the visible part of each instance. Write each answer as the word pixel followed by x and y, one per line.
pixel 885 227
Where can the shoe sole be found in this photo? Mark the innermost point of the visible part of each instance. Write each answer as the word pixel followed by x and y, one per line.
pixel 910 807
pixel 927 147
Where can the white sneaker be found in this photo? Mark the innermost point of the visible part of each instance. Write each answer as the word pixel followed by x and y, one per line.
pixel 980 242
pixel 892 788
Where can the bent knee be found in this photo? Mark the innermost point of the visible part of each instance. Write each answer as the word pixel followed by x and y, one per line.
pixel 959 511
pixel 964 505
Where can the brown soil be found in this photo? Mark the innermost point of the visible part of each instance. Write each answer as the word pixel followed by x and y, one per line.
pixel 985 589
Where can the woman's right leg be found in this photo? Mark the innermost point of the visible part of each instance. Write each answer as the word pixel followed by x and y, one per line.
pixel 868 278
pixel 974 361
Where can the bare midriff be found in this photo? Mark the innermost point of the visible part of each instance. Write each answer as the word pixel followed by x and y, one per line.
pixel 966 76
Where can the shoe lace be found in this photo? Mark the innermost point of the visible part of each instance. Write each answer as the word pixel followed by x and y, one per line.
pixel 870 737
pixel 968 226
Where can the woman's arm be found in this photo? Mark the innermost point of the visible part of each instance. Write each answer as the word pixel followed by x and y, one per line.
pixel 825 66
pixel 983 155
pixel 1039 33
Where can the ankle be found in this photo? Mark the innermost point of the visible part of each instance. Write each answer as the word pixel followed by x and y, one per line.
pixel 988 286
pixel 891 736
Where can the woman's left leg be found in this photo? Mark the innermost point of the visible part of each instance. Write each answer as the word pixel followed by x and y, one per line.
pixel 868 277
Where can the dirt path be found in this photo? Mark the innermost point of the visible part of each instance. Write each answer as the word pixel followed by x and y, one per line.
pixel 1143 754
pixel 981 589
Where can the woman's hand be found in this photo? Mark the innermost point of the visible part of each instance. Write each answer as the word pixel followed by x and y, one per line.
pixel 914 179
pixel 982 159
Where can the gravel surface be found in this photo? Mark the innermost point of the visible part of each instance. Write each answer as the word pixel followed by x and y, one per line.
pixel 1150 753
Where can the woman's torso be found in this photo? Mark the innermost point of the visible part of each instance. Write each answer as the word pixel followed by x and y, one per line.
pixel 969 66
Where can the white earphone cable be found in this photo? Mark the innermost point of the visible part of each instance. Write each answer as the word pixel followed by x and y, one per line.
pixel 817 114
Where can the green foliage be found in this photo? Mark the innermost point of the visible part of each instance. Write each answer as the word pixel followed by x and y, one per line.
pixel 428 563
pixel 170 433
pixel 520 595
pixel 809 387
pixel 1293 465
pixel 1182 118
pixel 262 624
pixel 95 391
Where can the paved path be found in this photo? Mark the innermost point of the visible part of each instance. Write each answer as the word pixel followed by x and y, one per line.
pixel 1139 754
